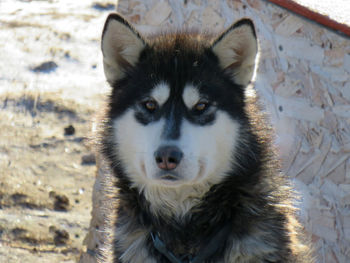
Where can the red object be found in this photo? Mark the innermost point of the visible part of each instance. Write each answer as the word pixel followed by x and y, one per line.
pixel 313 15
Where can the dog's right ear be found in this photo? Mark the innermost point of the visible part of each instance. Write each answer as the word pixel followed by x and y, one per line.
pixel 237 50
pixel 121 46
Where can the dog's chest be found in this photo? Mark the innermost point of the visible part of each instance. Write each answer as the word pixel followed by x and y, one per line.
pixel 138 248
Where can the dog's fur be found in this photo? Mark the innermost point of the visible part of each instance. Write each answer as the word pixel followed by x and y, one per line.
pixel 229 175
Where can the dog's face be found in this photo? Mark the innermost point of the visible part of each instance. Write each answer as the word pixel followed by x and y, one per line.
pixel 177 102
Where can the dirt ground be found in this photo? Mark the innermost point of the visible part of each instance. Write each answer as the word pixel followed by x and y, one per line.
pixel 51 86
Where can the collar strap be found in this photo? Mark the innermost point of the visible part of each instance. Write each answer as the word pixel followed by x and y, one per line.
pixel 204 253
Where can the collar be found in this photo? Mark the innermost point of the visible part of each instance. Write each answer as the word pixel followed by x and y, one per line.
pixel 204 253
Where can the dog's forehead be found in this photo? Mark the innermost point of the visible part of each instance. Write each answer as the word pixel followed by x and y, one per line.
pixel 178 62
pixel 179 69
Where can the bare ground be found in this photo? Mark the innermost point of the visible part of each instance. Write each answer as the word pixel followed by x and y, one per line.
pixel 45 189
pixel 51 85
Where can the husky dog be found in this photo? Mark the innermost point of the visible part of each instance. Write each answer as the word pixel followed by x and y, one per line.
pixel 197 177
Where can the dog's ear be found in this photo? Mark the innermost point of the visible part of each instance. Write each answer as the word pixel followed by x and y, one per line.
pixel 237 49
pixel 121 46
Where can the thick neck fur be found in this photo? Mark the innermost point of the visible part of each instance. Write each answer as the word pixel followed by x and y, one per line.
pixel 174 202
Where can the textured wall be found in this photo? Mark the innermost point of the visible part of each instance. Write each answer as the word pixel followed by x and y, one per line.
pixel 303 79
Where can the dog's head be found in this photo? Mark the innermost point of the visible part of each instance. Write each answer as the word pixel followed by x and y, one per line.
pixel 177 102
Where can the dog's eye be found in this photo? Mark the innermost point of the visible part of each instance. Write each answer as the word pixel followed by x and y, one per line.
pixel 150 105
pixel 201 106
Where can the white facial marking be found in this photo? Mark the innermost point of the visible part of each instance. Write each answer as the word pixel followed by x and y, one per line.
pixel 136 146
pixel 190 96
pixel 161 93
pixel 212 146
pixel 208 154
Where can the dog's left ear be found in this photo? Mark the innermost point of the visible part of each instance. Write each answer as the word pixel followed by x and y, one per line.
pixel 236 49
pixel 121 47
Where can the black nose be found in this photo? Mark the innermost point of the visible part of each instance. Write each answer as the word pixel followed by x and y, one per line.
pixel 168 157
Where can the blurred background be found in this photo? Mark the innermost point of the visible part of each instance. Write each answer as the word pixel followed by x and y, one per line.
pixel 52 85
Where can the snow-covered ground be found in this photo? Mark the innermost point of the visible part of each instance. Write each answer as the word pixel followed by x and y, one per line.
pixel 65 32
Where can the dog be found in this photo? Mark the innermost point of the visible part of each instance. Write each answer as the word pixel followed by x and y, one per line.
pixel 196 172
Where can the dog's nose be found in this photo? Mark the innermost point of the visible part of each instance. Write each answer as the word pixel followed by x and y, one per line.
pixel 168 157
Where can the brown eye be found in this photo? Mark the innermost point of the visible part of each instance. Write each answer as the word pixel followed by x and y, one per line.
pixel 150 105
pixel 201 106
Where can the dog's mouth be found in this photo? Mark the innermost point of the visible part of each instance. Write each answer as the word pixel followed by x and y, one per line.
pixel 173 178
pixel 169 176
pixel 163 176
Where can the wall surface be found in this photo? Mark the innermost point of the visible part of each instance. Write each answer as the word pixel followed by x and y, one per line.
pixel 303 79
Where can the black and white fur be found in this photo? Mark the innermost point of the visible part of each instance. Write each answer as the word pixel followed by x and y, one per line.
pixel 190 150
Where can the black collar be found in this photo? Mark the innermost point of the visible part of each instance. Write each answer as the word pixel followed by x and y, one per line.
pixel 204 253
